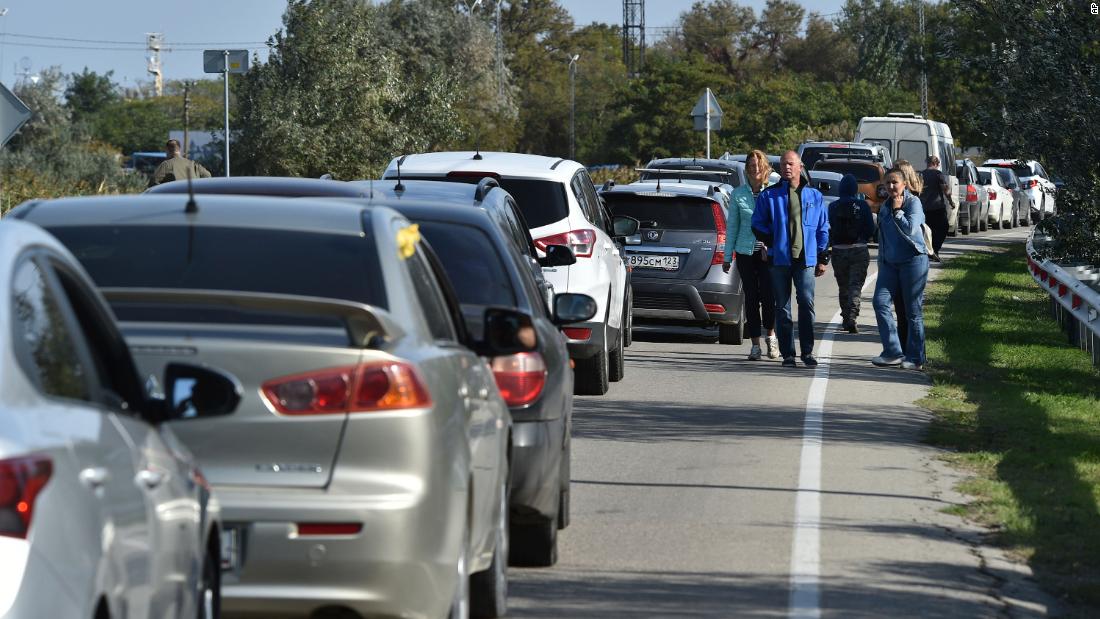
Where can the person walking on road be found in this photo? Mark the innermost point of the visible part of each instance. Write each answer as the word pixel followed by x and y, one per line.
pixel 902 274
pixel 934 197
pixel 752 257
pixel 791 219
pixel 851 226
pixel 177 167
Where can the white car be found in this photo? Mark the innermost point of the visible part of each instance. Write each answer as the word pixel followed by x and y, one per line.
pixel 561 207
pixel 102 511
pixel 1035 180
pixel 1002 201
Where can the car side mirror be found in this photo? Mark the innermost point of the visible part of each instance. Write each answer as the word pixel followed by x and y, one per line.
pixel 570 308
pixel 558 256
pixel 193 391
pixel 624 226
pixel 506 332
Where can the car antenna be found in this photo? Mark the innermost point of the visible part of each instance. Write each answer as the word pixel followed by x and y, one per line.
pixel 399 186
pixel 658 183
pixel 477 149
pixel 372 189
pixel 191 207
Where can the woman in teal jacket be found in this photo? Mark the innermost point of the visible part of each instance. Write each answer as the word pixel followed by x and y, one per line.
pixel 752 256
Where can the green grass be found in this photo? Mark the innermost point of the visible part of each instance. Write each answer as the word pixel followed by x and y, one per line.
pixel 1020 409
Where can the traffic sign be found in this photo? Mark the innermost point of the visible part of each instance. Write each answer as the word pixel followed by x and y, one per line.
pixel 13 113
pixel 214 60
pixel 707 109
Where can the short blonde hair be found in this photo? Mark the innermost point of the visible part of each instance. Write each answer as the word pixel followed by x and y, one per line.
pixel 909 175
pixel 763 166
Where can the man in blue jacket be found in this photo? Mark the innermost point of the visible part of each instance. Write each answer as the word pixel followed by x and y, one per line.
pixel 791 219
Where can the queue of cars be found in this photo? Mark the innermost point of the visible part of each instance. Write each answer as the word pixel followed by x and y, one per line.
pixel 388 426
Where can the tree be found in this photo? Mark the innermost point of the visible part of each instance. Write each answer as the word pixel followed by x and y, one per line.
pixel 777 29
pixel 823 52
pixel 721 31
pixel 88 93
pixel 334 98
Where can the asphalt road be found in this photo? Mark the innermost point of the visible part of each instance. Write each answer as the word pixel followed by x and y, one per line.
pixel 687 479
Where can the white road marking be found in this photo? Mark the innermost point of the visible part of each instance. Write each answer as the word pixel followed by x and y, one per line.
pixel 805 600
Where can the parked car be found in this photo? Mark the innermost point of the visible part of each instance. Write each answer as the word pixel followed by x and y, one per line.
pixel 102 512
pixel 677 255
pixel 870 176
pixel 1002 202
pixel 490 271
pixel 972 196
pixel 367 465
pixel 1021 195
pixel 772 159
pixel 560 204
pixel 275 186
pixel 812 152
pixel 725 171
pixel 1035 180
pixel 828 183
pixel 909 136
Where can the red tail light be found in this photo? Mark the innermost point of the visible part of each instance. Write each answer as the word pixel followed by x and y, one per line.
pixel 1031 183
pixel 386 385
pixel 21 481
pixel 577 333
pixel 580 241
pixel 520 377
pixel 992 195
pixel 720 226
pixel 715 308
pixel 971 193
pixel 329 528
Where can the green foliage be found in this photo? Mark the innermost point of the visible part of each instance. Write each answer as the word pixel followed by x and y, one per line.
pixel 88 93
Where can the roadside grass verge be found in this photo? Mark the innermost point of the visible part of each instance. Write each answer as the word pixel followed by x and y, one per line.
pixel 1020 409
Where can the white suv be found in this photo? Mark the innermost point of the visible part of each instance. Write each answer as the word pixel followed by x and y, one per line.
pixel 1034 180
pixel 558 200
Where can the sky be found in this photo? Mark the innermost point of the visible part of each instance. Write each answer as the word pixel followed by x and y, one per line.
pixel 110 35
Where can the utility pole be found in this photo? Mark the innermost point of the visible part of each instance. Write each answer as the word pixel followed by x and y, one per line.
pixel 634 36
pixel 573 105
pixel 154 41
pixel 923 70
pixel 187 119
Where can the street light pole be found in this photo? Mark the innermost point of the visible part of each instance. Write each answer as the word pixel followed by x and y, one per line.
pixel 573 105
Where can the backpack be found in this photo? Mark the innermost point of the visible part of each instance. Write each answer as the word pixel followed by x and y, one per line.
pixel 844 225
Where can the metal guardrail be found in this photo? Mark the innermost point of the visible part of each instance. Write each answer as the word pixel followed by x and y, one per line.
pixel 1074 298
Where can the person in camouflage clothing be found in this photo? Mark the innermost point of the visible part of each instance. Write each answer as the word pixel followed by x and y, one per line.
pixel 850 227
pixel 177 167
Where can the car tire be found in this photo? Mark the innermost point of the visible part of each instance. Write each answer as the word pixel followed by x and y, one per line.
pixel 616 361
pixel 731 334
pixel 590 375
pixel 535 544
pixel 983 225
pixel 628 320
pixel 565 473
pixel 210 588
pixel 489 589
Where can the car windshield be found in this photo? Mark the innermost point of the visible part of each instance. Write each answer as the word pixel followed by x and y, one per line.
pixel 472 262
pixel 696 174
pixel 984 178
pixel 670 213
pixel 863 172
pixel 1006 177
pixel 335 266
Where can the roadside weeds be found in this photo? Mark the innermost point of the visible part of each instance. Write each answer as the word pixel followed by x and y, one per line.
pixel 1020 410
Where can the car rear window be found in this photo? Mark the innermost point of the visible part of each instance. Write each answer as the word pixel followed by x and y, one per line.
pixel 344 267
pixel 669 213
pixel 542 202
pixel 812 154
pixel 473 263
pixel 864 173
pixel 1006 176
pixel 1021 170
pixel 984 178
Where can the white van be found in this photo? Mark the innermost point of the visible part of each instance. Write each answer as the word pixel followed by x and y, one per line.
pixel 913 138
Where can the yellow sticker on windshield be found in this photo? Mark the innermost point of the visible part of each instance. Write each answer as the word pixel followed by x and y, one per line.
pixel 407 238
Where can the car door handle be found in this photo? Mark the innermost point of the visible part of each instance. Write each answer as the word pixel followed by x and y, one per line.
pixel 149 479
pixel 94 477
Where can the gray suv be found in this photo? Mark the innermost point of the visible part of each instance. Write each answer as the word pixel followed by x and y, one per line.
pixel 676 257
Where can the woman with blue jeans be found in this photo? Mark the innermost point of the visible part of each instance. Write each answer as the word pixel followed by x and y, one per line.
pixel 902 273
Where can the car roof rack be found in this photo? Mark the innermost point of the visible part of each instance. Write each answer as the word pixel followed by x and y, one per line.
pixel 863 156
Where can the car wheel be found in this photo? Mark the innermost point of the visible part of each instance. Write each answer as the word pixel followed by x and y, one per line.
pixel 460 604
pixel 210 589
pixel 628 320
pixel 489 589
pixel 535 544
pixel 563 494
pixel 730 334
pixel 616 360
pixel 590 375
pixel 983 225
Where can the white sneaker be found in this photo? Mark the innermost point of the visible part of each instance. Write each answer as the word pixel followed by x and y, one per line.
pixel 887 361
pixel 754 354
pixel 773 346
pixel 906 365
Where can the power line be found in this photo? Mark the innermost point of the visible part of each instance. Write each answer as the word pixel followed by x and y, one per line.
pixel 166 49
pixel 138 44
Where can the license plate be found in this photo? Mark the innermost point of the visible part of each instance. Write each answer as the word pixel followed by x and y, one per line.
pixel 231 548
pixel 651 261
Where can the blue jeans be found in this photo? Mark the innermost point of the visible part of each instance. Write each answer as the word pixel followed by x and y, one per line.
pixel 803 278
pixel 906 279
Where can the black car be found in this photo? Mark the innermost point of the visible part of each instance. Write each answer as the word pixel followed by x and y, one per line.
pixel 488 270
pixel 278 186
pixel 677 254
